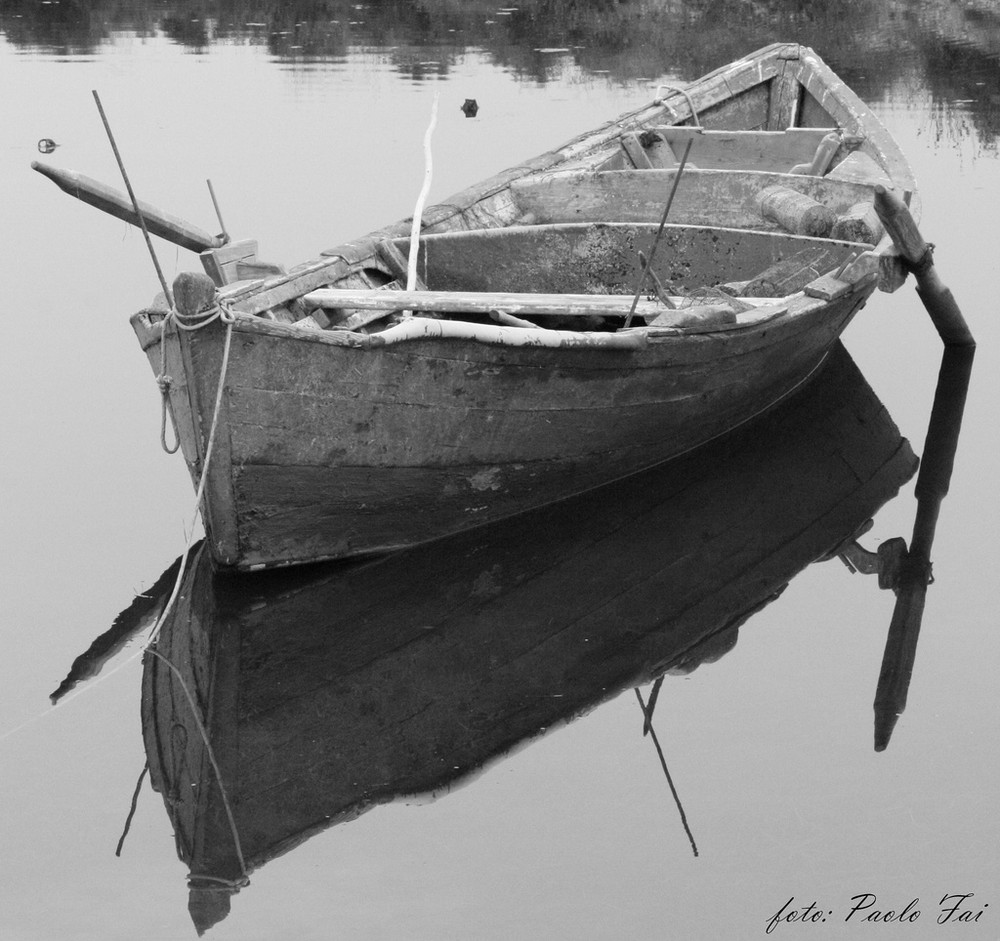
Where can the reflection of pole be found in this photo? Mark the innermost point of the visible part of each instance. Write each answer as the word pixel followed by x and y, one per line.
pixel 914 575
pixel 647 713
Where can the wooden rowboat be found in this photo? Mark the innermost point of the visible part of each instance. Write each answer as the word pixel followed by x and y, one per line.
pixel 329 690
pixel 556 330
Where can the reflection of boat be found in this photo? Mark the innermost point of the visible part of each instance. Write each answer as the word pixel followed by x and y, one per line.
pixel 349 427
pixel 327 690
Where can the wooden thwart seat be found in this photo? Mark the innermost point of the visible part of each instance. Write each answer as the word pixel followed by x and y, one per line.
pixel 781 151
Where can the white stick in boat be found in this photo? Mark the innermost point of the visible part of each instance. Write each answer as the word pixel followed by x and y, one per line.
pixel 418 210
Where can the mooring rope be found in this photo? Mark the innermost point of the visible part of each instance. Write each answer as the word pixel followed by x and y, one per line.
pixel 132 807
pixel 190 323
pixel 219 312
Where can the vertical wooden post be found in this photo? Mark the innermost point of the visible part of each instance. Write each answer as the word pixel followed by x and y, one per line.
pixel 937 299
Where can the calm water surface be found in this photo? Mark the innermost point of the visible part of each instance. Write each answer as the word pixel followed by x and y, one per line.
pixel 308 118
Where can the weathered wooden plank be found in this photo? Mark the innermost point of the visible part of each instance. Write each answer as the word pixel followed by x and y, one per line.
pixel 117 204
pixel 636 154
pixel 563 258
pixel 220 263
pixel 474 302
pixel 786 89
pixel 703 197
pixel 777 151
pixel 859 167
pixel 394 260
pixel 382 410
pixel 288 287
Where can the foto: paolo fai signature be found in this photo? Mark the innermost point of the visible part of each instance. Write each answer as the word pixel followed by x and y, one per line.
pixel 865 908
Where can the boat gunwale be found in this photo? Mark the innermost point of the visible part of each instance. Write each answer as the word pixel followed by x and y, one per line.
pixel 777 312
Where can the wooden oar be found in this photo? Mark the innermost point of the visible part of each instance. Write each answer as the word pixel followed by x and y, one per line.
pixel 115 203
pixel 914 575
pixel 940 304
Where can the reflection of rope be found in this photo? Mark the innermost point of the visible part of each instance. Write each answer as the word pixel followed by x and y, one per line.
pixel 131 810
pixel 228 318
pixel 657 99
pixel 182 322
pixel 215 768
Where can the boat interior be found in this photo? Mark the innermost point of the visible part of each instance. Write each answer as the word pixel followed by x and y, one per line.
pixel 668 212
pixel 604 258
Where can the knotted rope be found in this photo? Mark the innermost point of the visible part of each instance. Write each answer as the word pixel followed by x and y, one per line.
pixel 219 311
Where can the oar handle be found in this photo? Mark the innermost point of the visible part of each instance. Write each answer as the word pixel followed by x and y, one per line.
pixel 117 204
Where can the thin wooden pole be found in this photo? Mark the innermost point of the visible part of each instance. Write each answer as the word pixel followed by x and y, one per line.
pixel 135 202
pixel 223 234
pixel 659 232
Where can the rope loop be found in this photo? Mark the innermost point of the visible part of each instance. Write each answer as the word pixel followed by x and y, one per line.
pixel 221 311
pixel 165 382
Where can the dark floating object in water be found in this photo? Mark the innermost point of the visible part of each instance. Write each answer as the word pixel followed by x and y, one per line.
pixel 471 107
pixel 47 145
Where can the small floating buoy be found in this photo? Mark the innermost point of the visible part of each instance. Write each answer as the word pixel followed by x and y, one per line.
pixel 470 108
pixel 46 145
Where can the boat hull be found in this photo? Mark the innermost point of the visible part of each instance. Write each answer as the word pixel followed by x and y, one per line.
pixel 343 432
pixel 329 451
